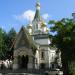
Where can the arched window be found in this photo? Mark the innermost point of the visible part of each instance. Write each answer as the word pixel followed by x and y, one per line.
pixel 42 55
pixel 36 26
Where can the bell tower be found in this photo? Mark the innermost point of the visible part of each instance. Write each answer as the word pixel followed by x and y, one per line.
pixel 37 18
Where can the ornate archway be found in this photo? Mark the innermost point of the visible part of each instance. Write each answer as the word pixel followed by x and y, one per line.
pixel 23 61
pixel 42 66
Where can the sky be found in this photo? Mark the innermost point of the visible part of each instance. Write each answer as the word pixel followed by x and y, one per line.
pixel 15 13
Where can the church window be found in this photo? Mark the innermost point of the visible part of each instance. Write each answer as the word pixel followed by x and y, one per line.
pixel 36 26
pixel 42 55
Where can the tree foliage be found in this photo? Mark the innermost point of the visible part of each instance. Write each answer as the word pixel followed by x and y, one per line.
pixel 10 39
pixel 6 40
pixel 64 40
pixel 2 44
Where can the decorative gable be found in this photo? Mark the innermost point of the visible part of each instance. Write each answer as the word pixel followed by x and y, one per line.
pixel 22 40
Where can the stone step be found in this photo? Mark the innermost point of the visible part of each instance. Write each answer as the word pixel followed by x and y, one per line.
pixel 19 74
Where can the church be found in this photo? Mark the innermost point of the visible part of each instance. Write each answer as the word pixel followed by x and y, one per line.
pixel 32 45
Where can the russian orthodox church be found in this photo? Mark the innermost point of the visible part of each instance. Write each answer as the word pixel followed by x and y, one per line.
pixel 32 45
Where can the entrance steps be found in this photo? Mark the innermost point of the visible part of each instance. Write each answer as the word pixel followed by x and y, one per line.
pixel 30 72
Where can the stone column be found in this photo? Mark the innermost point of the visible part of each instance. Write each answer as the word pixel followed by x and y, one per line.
pixel 30 63
pixel 15 63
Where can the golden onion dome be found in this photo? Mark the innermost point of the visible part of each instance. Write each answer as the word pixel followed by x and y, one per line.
pixel 43 24
pixel 29 26
pixel 47 29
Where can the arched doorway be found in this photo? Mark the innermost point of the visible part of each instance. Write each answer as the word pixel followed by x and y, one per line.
pixel 23 61
pixel 19 61
pixel 42 66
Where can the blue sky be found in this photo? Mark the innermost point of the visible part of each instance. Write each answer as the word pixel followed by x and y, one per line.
pixel 11 11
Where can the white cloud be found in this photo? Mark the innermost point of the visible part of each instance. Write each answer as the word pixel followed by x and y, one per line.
pixel 45 16
pixel 28 15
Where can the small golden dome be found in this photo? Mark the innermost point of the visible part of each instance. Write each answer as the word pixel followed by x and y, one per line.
pixel 43 24
pixel 47 29
pixel 29 26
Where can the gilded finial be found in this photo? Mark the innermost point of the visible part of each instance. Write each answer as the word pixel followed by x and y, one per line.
pixel 38 1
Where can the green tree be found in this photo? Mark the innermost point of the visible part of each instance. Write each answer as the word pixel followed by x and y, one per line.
pixel 10 39
pixel 6 42
pixel 64 40
pixel 3 46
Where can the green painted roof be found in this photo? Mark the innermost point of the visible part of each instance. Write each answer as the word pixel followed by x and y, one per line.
pixel 37 14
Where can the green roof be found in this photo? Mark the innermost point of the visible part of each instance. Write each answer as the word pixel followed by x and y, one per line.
pixel 37 14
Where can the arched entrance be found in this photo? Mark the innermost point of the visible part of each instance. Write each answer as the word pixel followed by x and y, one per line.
pixel 23 61
pixel 42 66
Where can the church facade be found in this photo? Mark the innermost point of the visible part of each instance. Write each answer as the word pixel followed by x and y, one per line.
pixel 32 45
